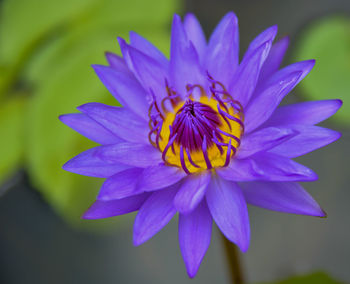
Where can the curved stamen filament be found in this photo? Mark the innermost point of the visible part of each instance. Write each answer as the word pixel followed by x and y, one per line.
pixel 190 159
pixel 170 143
pixel 225 114
pixel 182 161
pixel 205 153
pixel 228 154
pixel 229 135
pixel 218 143
pixel 158 133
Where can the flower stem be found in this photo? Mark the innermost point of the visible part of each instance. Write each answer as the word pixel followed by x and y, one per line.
pixel 233 260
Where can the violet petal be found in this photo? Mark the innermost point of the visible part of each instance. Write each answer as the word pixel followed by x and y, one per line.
pixel 247 75
pixel 154 214
pixel 125 89
pixel 288 197
pixel 89 128
pixel 160 176
pixel 148 48
pixel 308 113
pixel 274 59
pixel 184 61
pixel 151 73
pixel 223 49
pixel 191 192
pixel 267 166
pixel 132 154
pixel 194 236
pixel 195 33
pixel 105 209
pixel 264 104
pixel 117 63
pixel 229 210
pixel 121 185
pixel 309 139
pixel 88 163
pixel 267 35
pixel 120 121
pixel 263 140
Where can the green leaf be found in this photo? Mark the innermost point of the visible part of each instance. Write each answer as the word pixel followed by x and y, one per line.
pixel 11 142
pixel 328 41
pixel 23 22
pixel 314 278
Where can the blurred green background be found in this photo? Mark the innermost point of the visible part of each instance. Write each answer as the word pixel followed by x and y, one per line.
pixel 46 49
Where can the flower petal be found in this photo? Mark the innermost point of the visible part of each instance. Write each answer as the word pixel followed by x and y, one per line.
pixel 267 35
pixel 309 139
pixel 184 61
pixel 89 128
pixel 120 121
pixel 105 209
pixel 160 176
pixel 263 140
pixel 274 59
pixel 117 63
pixel 194 236
pixel 121 185
pixel 148 48
pixel 223 49
pixel 303 66
pixel 132 154
pixel 229 210
pixel 125 89
pixel 240 170
pixel 263 105
pixel 89 164
pixel 308 113
pixel 288 197
pixel 266 166
pixel 248 73
pixel 154 214
pixel 151 74
pixel 196 35
pixel 191 192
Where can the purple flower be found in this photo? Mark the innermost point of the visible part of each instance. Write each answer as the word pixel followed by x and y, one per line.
pixel 200 134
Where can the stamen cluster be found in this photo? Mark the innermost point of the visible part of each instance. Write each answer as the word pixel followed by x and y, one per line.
pixel 199 132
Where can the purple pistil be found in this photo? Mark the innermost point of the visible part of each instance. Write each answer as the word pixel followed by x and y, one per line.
pixel 193 122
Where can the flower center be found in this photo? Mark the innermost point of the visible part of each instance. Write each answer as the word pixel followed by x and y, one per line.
pixel 197 134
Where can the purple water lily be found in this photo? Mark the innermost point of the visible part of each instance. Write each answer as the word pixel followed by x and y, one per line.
pixel 200 134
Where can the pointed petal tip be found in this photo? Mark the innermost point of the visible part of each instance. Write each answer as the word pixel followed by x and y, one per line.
pixel 176 19
pixel 63 118
pixel 122 43
pixel 103 197
pixel 86 216
pixel 243 243
pixel 338 104
pixel 244 247
pixel 97 67
pixel 138 240
pixel 67 166
pixel 87 107
pixel 312 176
pixel 230 17
pixel 308 65
pixel 317 211
pixel 107 54
pixel 192 272
pixel 323 214
pixel 190 16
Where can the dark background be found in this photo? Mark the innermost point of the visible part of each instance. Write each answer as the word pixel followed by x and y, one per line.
pixel 37 246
